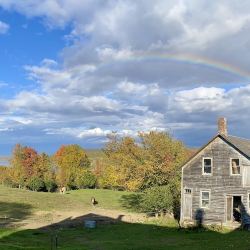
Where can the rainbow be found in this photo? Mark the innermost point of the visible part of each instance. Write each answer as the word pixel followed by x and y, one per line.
pixel 191 59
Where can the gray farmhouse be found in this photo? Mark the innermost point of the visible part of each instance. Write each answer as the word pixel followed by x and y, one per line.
pixel 215 186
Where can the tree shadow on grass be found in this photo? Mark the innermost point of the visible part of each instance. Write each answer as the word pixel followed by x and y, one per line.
pixel 12 213
pixel 112 234
pixel 132 202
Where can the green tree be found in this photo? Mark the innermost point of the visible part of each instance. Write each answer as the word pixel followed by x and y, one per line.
pixel 46 171
pixel 35 183
pixel 157 199
pixel 163 158
pixel 85 179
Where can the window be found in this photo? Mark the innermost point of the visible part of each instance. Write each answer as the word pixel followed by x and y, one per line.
pixel 235 166
pixel 207 166
pixel 248 201
pixel 188 191
pixel 205 199
pixel 245 171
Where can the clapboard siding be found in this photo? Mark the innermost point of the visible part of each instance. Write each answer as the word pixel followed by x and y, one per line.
pixel 220 183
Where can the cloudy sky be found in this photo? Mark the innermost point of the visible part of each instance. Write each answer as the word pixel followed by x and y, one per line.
pixel 72 71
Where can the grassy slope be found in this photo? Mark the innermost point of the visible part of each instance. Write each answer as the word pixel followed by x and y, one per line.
pixel 72 200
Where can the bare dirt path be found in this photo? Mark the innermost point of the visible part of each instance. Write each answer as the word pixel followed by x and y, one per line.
pixel 42 219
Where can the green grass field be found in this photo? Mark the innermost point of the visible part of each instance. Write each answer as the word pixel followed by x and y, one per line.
pixel 124 236
pixel 72 200
pixel 157 234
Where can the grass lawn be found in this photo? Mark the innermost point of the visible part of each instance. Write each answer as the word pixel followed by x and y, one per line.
pixel 124 236
pixel 150 235
pixel 72 200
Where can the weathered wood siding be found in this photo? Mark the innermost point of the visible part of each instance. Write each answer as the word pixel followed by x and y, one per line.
pixel 220 183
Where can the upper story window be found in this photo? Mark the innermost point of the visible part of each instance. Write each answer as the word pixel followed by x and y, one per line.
pixel 207 166
pixel 235 166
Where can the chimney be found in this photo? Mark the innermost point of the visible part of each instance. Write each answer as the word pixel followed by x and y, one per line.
pixel 222 126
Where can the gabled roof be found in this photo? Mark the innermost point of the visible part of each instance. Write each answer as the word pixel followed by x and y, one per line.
pixel 240 144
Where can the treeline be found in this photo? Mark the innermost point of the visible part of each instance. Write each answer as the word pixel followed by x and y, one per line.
pixel 153 160
pixel 69 167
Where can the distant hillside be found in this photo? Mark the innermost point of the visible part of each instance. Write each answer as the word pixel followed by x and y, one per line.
pixel 4 161
pixel 95 154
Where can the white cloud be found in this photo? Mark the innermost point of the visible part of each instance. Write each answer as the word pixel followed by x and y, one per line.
pixel 4 27
pixel 121 69
pixel 131 88
pixel 201 99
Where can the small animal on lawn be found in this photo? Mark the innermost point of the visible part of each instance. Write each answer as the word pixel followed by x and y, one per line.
pixel 93 201
pixel 62 190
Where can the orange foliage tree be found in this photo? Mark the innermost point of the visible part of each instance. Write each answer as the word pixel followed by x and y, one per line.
pixel 72 162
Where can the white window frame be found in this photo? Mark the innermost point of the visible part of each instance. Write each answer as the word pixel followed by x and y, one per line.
pixel 244 174
pixel 231 173
pixel 185 188
pixel 204 158
pixel 208 191
pixel 248 201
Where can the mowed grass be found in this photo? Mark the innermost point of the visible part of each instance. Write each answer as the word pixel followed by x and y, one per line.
pixel 124 236
pixel 76 200
pixel 150 235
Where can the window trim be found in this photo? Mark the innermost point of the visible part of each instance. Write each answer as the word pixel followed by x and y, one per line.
pixel 244 174
pixel 185 188
pixel 231 173
pixel 248 201
pixel 205 190
pixel 203 173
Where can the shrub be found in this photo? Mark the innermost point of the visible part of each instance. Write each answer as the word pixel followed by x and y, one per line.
pixel 85 179
pixel 7 181
pixel 50 185
pixel 157 199
pixel 36 184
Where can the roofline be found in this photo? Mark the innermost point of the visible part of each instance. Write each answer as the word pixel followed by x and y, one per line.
pixel 242 138
pixel 235 147
pixel 193 156
pixel 224 138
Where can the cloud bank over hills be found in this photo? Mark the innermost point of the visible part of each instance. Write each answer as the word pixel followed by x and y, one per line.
pixel 131 66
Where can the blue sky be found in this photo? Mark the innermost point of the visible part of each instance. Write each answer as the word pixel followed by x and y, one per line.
pixel 74 71
pixel 27 41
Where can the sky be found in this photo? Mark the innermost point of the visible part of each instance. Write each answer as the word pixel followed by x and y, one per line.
pixel 73 71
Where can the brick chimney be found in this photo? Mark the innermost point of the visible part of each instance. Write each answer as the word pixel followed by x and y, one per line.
pixel 222 126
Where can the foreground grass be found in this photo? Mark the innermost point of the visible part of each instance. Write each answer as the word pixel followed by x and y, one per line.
pixel 124 236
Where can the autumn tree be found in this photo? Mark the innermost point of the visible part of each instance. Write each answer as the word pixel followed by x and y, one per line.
pixel 70 160
pixel 46 171
pixel 30 169
pixel 163 157
pixel 23 162
pixel 124 164
pixel 17 169
pixel 153 160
